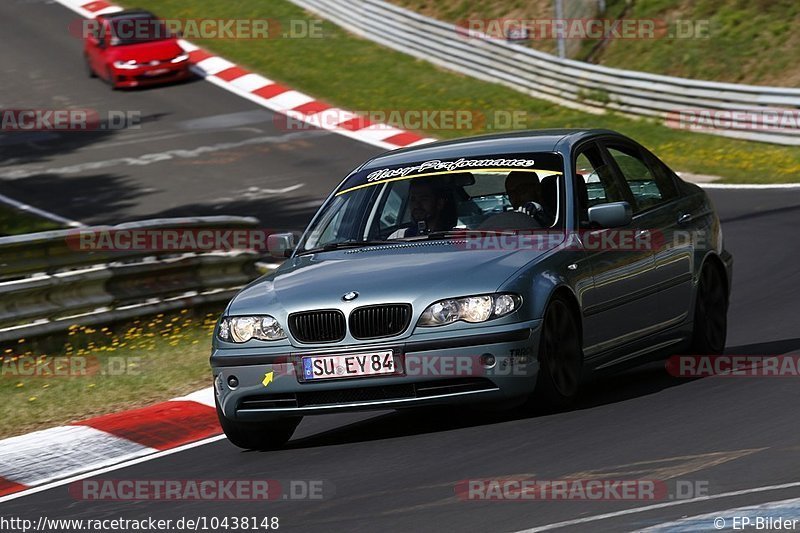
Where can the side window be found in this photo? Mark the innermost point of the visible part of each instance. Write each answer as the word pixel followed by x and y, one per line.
pixel 595 183
pixel 664 177
pixel 595 189
pixel 647 190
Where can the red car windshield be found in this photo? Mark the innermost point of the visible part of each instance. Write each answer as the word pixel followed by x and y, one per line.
pixel 135 30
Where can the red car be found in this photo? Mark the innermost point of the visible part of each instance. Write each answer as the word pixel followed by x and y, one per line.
pixel 133 49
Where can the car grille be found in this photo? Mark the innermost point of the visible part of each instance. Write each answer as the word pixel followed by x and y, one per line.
pixel 357 395
pixel 163 75
pixel 317 326
pixel 376 321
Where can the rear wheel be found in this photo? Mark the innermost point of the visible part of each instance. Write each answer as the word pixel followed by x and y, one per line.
pixel 710 313
pixel 258 435
pixel 560 358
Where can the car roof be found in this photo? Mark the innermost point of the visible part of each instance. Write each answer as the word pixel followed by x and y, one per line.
pixel 528 141
pixel 128 13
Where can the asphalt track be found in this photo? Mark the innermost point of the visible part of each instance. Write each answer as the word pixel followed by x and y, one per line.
pixel 390 471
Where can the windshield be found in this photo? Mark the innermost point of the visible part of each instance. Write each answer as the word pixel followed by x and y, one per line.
pixel 434 199
pixel 138 29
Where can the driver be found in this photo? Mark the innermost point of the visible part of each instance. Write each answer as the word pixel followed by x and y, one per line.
pixel 428 201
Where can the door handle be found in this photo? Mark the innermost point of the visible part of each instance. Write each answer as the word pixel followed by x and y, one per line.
pixel 685 218
pixel 641 234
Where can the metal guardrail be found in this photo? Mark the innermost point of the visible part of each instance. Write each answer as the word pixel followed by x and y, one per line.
pixel 47 285
pixel 575 84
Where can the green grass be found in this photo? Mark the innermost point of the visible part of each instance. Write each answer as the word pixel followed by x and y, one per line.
pixel 748 41
pixel 16 222
pixel 357 74
pixel 104 370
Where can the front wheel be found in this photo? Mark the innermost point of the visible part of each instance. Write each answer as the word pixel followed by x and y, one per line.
pixel 112 82
pixel 560 359
pixel 89 70
pixel 258 436
pixel 710 313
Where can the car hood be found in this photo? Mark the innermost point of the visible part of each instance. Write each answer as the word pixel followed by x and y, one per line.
pixel 416 273
pixel 147 51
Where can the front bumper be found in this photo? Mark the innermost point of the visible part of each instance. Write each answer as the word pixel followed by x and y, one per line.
pixel 443 370
pixel 155 75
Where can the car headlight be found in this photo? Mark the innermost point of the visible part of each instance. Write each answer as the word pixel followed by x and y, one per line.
pixel 470 309
pixel 126 65
pixel 243 328
pixel 180 59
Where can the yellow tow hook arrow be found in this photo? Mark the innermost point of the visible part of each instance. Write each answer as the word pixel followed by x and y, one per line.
pixel 268 378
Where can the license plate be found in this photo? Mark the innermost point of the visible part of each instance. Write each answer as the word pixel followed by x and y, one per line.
pixel 348 366
pixel 156 72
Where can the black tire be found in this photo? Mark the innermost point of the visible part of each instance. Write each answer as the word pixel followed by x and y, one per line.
pixel 109 79
pixel 560 359
pixel 710 313
pixel 89 70
pixel 258 436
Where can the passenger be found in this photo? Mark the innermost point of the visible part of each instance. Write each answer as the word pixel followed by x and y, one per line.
pixel 523 187
pixel 525 195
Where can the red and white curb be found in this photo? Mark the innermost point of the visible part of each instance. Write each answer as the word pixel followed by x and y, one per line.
pixel 60 452
pixel 298 107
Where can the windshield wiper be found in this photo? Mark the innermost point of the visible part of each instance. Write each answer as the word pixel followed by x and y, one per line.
pixel 332 246
pixel 455 234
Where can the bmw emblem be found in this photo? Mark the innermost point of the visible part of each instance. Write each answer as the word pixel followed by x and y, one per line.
pixel 350 296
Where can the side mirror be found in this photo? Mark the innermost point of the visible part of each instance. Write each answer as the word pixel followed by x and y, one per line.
pixel 281 244
pixel 611 215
